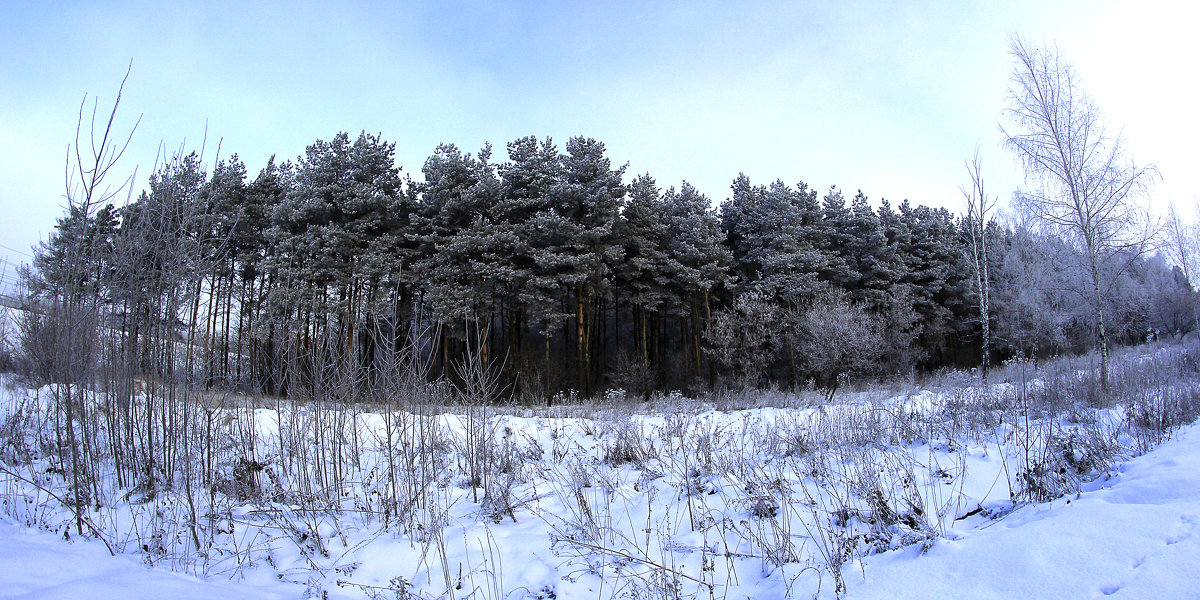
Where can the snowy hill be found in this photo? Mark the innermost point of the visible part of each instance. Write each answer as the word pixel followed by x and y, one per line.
pixel 1132 534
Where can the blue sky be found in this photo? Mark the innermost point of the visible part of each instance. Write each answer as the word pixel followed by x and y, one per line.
pixel 886 97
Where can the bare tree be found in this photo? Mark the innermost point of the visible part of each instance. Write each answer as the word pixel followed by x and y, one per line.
pixel 979 206
pixel 743 339
pixel 62 338
pixel 1081 180
pixel 838 340
pixel 1181 239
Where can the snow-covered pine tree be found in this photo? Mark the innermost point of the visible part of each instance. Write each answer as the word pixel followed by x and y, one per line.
pixel 224 196
pixel 645 274
pixel 793 257
pixel 840 270
pixel 458 263
pixel 872 260
pixel 698 260
pixel 523 214
pixel 590 200
pixel 937 275
pixel 337 228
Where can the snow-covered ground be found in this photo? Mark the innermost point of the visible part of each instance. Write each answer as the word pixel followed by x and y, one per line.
pixel 1135 534
pixel 932 492
pixel 43 566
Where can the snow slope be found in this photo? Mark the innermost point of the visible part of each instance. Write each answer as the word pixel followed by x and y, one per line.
pixel 40 565
pixel 1135 535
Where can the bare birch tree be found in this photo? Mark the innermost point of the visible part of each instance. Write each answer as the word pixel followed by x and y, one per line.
pixel 1181 239
pixel 1081 180
pixel 979 206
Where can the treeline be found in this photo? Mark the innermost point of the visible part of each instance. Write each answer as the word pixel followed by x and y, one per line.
pixel 551 272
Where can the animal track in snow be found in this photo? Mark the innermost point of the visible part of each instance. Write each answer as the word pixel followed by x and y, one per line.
pixel 1184 530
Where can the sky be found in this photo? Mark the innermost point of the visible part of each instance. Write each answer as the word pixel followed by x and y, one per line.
pixel 886 97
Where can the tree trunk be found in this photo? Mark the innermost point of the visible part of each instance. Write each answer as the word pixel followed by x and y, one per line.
pixel 580 342
pixel 546 358
pixel 696 339
pixel 1100 326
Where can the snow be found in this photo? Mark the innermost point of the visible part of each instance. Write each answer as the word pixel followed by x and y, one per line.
pixel 43 566
pixel 579 517
pixel 1131 535
pixel 1135 535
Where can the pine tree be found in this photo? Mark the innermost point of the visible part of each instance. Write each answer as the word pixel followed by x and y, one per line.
pixel 264 255
pixel 530 287
pixel 645 274
pixel 739 221
pixel 337 229
pixel 777 237
pixel 457 264
pixel 590 201
pixel 937 275
pixel 840 268
pixel 224 197
pixel 873 262
pixel 77 237
pixel 699 263
pixel 794 257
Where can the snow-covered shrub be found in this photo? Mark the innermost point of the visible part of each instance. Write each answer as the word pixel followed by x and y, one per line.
pixel 633 378
pixel 790 436
pixel 626 442
pixel 241 479
pixel 20 443
pixel 890 500
pixel 1153 417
